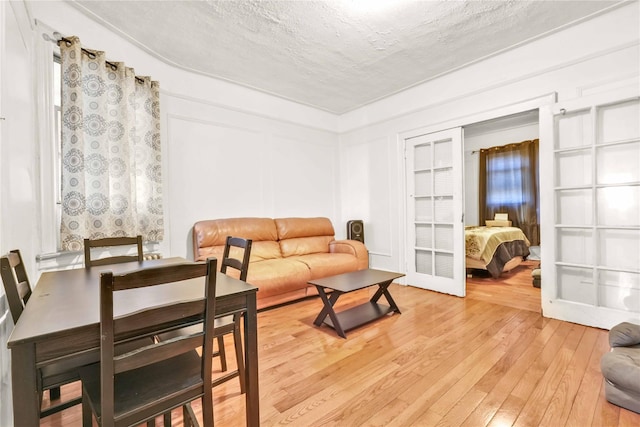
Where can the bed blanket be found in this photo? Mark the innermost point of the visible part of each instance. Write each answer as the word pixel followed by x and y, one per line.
pixel 481 243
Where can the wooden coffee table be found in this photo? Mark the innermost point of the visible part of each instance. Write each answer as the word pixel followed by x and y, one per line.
pixel 361 314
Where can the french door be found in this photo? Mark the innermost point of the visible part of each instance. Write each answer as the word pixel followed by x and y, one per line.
pixel 435 234
pixel 590 195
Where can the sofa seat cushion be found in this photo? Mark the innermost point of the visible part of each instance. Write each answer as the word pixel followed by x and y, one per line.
pixel 325 265
pixel 273 277
pixel 621 370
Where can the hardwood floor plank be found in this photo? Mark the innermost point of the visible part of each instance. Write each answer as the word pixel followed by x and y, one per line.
pixel 528 332
pixel 508 412
pixel 507 382
pixel 628 418
pixel 540 399
pixel 562 401
pixel 479 361
pixel 532 376
pixel 385 415
pixel 605 414
pixel 498 382
pixel 456 415
pixel 514 288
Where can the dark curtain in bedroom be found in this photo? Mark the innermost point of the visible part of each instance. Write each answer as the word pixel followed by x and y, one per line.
pixel 509 183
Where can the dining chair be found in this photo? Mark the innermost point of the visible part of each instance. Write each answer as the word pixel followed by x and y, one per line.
pixel 18 290
pixel 237 259
pixel 110 242
pixel 237 252
pixel 163 375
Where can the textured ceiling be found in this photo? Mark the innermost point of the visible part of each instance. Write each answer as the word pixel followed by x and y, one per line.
pixel 332 55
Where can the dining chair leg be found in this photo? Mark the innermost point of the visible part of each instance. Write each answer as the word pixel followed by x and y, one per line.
pixel 167 419
pixel 222 353
pixel 237 341
pixel 87 413
pixel 54 393
pixel 189 418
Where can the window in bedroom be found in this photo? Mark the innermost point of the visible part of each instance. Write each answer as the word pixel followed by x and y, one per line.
pixel 509 184
pixel 504 185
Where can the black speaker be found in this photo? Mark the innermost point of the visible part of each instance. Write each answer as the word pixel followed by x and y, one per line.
pixel 355 230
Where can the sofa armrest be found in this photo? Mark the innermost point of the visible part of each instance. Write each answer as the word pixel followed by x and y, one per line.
pixel 353 247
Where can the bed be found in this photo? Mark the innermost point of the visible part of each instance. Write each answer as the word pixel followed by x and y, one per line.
pixel 495 249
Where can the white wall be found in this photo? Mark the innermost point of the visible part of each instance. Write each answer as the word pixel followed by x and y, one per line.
pixel 18 172
pixel 18 151
pixel 229 164
pixel 596 55
pixel 227 150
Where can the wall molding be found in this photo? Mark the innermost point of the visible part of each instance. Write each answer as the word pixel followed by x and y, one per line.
pixel 245 111
pixel 494 86
pixel 608 84
pixel 173 116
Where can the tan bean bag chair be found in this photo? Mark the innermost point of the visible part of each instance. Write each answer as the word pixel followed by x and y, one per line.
pixel 621 367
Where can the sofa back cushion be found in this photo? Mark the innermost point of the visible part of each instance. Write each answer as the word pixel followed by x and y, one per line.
pixel 302 236
pixel 209 237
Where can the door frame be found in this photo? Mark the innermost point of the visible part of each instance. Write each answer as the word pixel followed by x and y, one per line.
pixel 461 121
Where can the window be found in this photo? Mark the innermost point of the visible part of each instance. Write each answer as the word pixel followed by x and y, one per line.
pixel 504 180
pixel 57 142
pixel 508 183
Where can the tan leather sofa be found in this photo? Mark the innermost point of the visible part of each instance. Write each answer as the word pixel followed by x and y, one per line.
pixel 286 253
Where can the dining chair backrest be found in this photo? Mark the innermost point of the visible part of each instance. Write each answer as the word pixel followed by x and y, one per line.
pixel 149 322
pixel 18 291
pixel 111 242
pixel 16 283
pixel 231 257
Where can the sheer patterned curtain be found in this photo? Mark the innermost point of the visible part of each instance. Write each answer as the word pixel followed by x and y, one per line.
pixel 111 163
pixel 509 183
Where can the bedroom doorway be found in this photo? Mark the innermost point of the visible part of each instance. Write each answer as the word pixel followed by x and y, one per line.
pixel 498 132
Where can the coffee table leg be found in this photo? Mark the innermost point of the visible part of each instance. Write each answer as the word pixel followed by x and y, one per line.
pixel 328 310
pixel 383 289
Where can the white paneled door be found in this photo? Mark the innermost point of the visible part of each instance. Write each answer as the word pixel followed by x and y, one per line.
pixel 590 191
pixel 435 235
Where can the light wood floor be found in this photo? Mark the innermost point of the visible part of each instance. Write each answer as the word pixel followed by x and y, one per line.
pixel 489 359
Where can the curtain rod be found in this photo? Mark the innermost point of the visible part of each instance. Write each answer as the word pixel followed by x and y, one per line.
pixel 503 146
pixel 91 54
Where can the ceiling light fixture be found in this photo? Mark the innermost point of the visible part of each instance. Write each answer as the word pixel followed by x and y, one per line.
pixel 370 6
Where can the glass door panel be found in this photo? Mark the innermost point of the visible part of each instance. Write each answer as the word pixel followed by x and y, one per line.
pixel 574 207
pixel 575 246
pixel 434 211
pixel 574 168
pixel 618 164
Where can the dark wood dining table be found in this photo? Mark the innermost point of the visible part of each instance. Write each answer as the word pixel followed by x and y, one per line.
pixel 62 320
